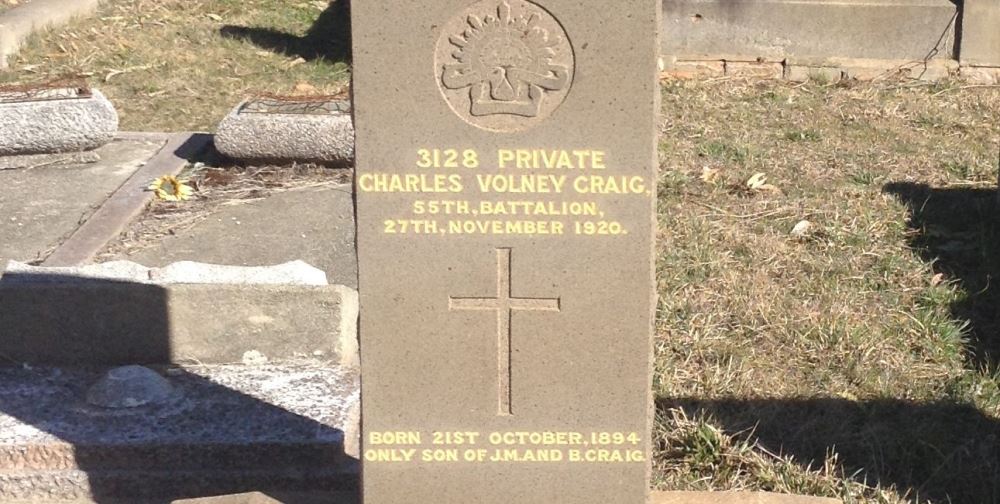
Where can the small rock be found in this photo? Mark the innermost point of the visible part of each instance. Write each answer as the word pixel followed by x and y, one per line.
pixel 254 358
pixel 802 229
pixel 129 387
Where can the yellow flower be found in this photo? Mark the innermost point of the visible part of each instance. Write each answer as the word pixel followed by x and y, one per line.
pixel 169 188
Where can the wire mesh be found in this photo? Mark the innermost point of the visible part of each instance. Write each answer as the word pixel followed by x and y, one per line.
pixel 63 88
pixel 267 103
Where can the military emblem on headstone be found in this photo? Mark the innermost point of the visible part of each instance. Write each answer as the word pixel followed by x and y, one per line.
pixel 504 66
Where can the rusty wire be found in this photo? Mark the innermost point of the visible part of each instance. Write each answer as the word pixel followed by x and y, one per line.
pixel 62 88
pixel 268 103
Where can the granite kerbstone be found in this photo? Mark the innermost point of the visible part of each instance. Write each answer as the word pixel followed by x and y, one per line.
pixel 57 125
pixel 325 137
pixel 183 272
pixel 281 427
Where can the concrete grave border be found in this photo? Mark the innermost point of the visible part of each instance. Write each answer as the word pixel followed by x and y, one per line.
pixel 130 199
pixel 17 24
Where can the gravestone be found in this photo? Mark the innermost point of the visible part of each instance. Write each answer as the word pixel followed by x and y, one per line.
pixel 505 195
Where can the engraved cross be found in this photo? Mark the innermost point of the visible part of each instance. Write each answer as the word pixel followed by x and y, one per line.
pixel 504 305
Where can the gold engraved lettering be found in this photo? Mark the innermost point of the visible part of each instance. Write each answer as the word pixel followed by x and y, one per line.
pixel 409 183
pixel 534 159
pixel 497 227
pixel 521 184
pixel 609 185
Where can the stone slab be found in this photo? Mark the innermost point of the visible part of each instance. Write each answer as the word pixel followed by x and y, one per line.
pixel 118 323
pixel 325 137
pixel 735 498
pixel 185 272
pixel 128 201
pixel 451 374
pixel 31 161
pixel 42 206
pixel 16 25
pixel 277 428
pixel 275 498
pixel 315 225
pixel 57 125
pixel 778 29
pixel 981 33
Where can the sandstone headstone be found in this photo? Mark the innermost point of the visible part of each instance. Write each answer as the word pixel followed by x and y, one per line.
pixel 506 182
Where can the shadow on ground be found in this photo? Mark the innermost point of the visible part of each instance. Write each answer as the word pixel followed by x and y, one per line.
pixel 207 441
pixel 958 230
pixel 943 452
pixel 328 39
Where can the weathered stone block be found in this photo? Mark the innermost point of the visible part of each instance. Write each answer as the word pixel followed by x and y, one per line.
pixel 778 29
pixel 288 427
pixel 78 123
pixel 981 32
pixel 305 131
pixel 114 323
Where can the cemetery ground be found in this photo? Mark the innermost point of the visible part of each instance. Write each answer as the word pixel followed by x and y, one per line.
pixel 182 65
pixel 831 330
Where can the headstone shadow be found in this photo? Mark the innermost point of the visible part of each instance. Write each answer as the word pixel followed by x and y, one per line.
pixel 932 452
pixel 328 39
pixel 958 231
pixel 206 440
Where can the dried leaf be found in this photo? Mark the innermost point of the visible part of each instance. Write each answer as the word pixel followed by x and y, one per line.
pixel 802 229
pixel 709 175
pixel 304 88
pixel 757 181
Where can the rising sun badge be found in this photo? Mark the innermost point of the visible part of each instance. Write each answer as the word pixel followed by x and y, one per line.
pixel 504 66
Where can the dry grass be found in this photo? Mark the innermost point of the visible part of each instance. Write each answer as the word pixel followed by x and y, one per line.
pixel 857 359
pixel 171 65
pixel 871 338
